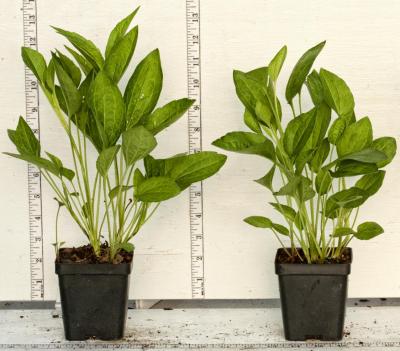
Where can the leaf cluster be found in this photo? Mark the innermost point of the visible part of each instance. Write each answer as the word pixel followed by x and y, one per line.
pixel 81 85
pixel 329 162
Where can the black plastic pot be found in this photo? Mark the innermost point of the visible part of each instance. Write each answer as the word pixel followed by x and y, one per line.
pixel 313 299
pixel 94 299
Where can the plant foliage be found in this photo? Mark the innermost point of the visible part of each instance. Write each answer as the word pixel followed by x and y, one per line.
pixel 326 161
pixel 114 197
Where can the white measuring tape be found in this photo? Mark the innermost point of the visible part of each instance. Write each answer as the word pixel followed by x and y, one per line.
pixel 195 145
pixel 34 178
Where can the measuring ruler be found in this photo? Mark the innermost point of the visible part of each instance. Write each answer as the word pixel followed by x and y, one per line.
pixel 29 11
pixel 195 145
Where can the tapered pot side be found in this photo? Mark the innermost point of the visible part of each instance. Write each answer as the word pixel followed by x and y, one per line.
pixel 94 299
pixel 313 299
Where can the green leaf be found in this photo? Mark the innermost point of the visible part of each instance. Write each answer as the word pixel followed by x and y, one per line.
pixel 119 189
pixel 301 70
pixel 157 189
pixel 49 75
pixel 137 143
pixel 62 171
pixel 40 162
pixel 368 155
pixel 121 54
pixel 24 139
pixel 305 189
pixel 266 223
pixel 119 31
pixel 337 94
pixel 264 114
pixel 290 188
pixel 267 180
pixel 249 90
pixel 247 143
pixel 349 168
pixel 153 167
pixel 86 84
pixel 128 247
pixel 371 182
pixel 192 168
pixel 56 161
pixel 276 109
pixel 368 230
pixel 259 74
pixel 356 137
pixel 67 173
pixel 322 121
pixel 315 88
pixel 84 64
pixel 35 62
pixel 70 68
pixel 84 46
pixel 343 232
pixel 70 93
pixel 276 63
pixel 320 156
pixel 61 100
pixel 323 181
pixel 143 89
pixel 259 221
pixel 387 145
pixel 288 212
pixel 336 130
pixel 251 122
pixel 164 116
pixel 280 229
pixel 349 198
pixel 105 159
pixel 138 177
pixel 297 132
pixel 106 103
pixel 304 156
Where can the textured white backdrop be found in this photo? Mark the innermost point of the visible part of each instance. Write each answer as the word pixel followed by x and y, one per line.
pixel 363 47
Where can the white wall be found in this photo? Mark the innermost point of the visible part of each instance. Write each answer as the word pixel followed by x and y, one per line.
pixel 362 46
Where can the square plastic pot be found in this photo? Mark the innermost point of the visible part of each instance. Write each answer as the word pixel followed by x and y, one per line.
pixel 313 299
pixel 94 300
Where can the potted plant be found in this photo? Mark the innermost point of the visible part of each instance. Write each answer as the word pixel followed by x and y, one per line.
pixel 325 165
pixel 112 198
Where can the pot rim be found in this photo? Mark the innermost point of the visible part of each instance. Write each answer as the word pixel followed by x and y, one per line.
pixel 313 268
pixel 93 268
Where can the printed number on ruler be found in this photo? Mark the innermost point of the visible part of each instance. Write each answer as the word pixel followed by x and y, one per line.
pixel 195 145
pixel 34 179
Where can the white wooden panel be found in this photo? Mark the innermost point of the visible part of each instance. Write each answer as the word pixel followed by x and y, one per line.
pixel 362 46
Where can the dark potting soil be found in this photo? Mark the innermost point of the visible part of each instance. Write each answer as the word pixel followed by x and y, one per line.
pixel 283 257
pixel 85 254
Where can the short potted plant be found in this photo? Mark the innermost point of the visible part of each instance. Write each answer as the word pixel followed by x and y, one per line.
pixel 110 196
pixel 325 165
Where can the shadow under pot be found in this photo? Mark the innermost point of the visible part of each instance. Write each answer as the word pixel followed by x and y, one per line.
pixel 94 299
pixel 313 298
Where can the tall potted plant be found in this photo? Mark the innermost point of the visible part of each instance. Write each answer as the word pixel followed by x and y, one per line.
pixel 325 165
pixel 112 198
